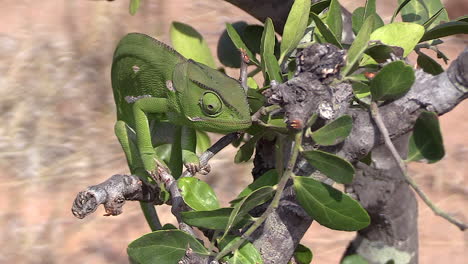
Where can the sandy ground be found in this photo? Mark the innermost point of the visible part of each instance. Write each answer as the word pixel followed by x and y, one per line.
pixel 56 136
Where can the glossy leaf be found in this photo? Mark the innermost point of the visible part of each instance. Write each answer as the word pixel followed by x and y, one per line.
pixel 197 194
pixel 334 19
pixel 361 90
pixel 446 29
pixel 245 254
pixel 295 26
pixel 436 11
pixel 163 247
pixel 134 6
pixel 428 64
pixel 245 152
pixel 254 199
pixel 392 81
pixel 188 42
pixel 203 141
pixel 303 255
pixel 269 178
pixel 427 139
pixel 318 7
pixel 414 12
pixel 354 259
pixel 333 132
pixel 228 53
pixel 271 67
pixel 359 45
pixel 401 34
pixel 325 31
pixel 358 21
pixel 215 219
pixel 328 206
pixel 331 165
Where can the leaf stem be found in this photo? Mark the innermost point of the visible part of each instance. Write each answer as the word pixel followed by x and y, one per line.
pixel 401 165
pixel 274 203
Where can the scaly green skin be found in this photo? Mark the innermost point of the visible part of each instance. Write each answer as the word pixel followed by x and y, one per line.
pixel 161 99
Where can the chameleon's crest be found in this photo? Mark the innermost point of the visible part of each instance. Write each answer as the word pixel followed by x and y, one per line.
pixel 209 99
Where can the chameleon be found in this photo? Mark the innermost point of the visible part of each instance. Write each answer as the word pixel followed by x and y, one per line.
pixel 162 98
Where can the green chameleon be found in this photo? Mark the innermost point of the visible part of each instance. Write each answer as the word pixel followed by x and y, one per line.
pixel 162 98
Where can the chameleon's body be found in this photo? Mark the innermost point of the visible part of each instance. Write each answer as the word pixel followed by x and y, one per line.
pixel 156 88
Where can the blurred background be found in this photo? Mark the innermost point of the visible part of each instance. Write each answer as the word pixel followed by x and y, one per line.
pixel 56 132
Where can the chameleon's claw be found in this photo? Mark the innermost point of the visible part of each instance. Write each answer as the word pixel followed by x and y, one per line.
pixel 205 169
pixel 193 168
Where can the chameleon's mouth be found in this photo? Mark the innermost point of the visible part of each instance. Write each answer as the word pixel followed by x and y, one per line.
pixel 217 120
pixel 221 125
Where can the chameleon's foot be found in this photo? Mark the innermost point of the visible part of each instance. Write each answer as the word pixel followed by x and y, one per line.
pixel 193 168
pixel 205 169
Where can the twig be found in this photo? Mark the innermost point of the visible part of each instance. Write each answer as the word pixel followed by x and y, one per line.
pixel 401 165
pixel 274 203
pixel 244 60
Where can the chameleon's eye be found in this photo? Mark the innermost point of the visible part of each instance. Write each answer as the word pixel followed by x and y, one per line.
pixel 211 104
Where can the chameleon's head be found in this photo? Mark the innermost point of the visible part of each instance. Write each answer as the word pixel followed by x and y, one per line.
pixel 210 100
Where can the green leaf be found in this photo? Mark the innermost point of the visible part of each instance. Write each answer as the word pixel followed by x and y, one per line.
pixel 358 20
pixel 392 82
pixel 325 31
pixel 163 247
pixel 401 34
pixel 359 45
pixel 239 43
pixel 331 165
pixel 245 254
pixel 203 141
pixel 334 19
pixel 228 53
pixel 253 38
pixel 197 194
pixel 381 52
pixel 333 132
pixel 318 7
pixel 436 11
pixel 245 152
pixel 134 5
pixel 270 66
pixel 433 18
pixel 328 206
pixel 188 42
pixel 294 27
pixel 215 219
pixel 168 227
pixel 428 64
pixel 254 199
pixel 361 90
pixel 269 178
pixel 414 12
pixel 397 11
pixel 354 259
pixel 446 29
pixel 462 18
pixel 302 254
pixel 427 139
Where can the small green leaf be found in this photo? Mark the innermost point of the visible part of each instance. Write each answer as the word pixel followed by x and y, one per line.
pixel 203 141
pixel 215 219
pixel 163 247
pixel 318 7
pixel 381 52
pixel 134 5
pixel 245 254
pixel 401 34
pixel 294 27
pixel 228 53
pixel 446 29
pixel 239 43
pixel 197 194
pixel 354 259
pixel 254 199
pixel 334 20
pixel 397 11
pixel 433 18
pixel 361 90
pixel 358 20
pixel 302 254
pixel 270 66
pixel 331 165
pixel 392 82
pixel 359 45
pixel 414 12
pixel 333 132
pixel 428 64
pixel 427 139
pixel 245 152
pixel 328 206
pixel 325 31
pixel 269 178
pixel 436 11
pixel 188 42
